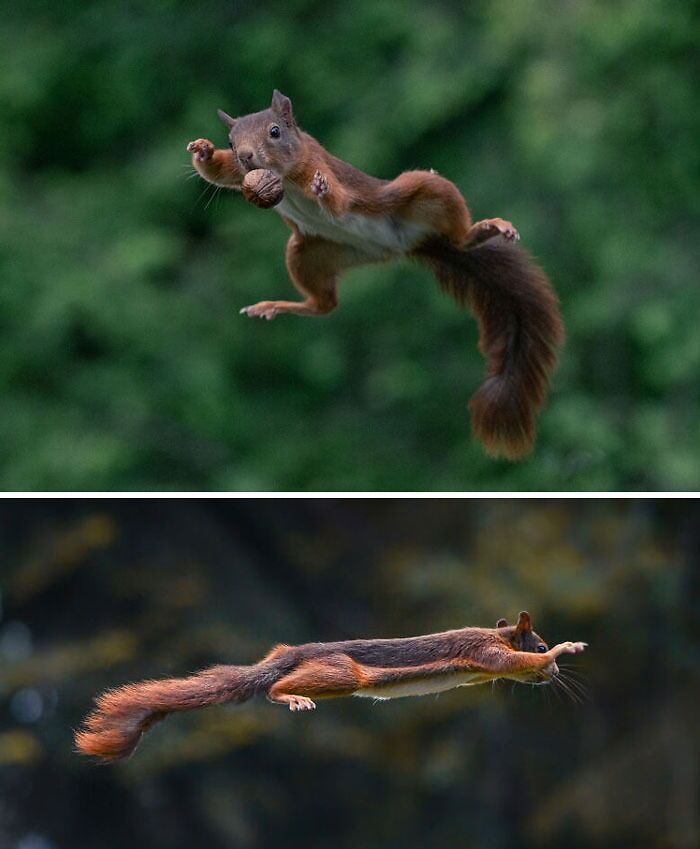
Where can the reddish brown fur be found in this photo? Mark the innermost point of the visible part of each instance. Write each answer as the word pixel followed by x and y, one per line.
pixel 328 677
pixel 520 333
pixel 121 716
pixel 519 323
pixel 292 675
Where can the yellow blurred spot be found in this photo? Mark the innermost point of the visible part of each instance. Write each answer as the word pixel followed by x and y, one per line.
pixel 58 553
pixel 71 659
pixel 18 747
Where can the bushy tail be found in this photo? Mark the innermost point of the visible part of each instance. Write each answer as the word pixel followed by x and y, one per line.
pixel 520 333
pixel 121 716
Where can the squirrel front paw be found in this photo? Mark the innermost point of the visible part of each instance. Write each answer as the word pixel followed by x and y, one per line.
pixel 568 648
pixel 202 149
pixel 319 185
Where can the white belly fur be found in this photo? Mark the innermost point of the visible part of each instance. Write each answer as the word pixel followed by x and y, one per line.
pixel 378 235
pixel 424 686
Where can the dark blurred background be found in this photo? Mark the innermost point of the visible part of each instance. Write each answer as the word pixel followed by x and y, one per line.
pixel 125 364
pixel 95 594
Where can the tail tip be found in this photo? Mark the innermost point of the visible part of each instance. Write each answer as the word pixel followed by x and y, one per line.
pixel 505 427
pixel 105 745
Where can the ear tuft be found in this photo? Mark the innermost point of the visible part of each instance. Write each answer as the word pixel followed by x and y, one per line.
pixel 282 105
pixel 502 623
pixel 524 623
pixel 227 119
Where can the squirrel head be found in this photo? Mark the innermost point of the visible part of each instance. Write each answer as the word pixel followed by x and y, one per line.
pixel 268 139
pixel 522 638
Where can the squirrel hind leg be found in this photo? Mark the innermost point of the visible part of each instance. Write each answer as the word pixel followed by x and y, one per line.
pixel 315 265
pixel 426 198
pixel 328 677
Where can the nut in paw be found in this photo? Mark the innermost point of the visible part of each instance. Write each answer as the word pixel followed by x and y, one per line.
pixel 262 188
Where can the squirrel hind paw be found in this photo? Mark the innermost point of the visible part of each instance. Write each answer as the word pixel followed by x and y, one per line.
pixel 265 309
pixel 297 703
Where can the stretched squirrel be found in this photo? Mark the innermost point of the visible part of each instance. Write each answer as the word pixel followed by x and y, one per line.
pixel 295 675
pixel 342 218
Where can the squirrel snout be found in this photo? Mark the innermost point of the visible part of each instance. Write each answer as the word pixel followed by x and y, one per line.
pixel 245 157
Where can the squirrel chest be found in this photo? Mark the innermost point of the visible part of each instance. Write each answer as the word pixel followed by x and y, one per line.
pixel 375 235
pixel 423 686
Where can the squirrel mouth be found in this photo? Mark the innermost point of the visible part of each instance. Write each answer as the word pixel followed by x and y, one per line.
pixel 540 677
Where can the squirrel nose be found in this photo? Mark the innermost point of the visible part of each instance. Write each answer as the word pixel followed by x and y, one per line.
pixel 245 155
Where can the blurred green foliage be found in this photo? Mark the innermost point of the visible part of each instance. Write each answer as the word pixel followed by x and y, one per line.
pixel 125 364
pixel 98 594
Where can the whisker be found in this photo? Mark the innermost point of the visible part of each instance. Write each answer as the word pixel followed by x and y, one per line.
pixel 555 690
pixel 214 194
pixel 560 690
pixel 580 688
pixel 574 677
pixel 203 193
pixel 572 669
pixel 573 695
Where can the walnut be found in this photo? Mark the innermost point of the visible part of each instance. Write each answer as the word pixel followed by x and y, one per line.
pixel 263 188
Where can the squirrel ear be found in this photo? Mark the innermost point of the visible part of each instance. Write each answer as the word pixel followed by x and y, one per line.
pixel 283 107
pixel 227 119
pixel 502 623
pixel 524 623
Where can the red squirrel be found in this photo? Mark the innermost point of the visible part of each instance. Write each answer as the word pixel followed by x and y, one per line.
pixel 296 675
pixel 342 218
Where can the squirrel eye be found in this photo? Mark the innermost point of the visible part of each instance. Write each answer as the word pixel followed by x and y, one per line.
pixel 275 132
pixel 230 144
pixel 541 648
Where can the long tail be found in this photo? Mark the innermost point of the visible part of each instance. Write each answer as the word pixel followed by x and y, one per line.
pixel 520 333
pixel 122 715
